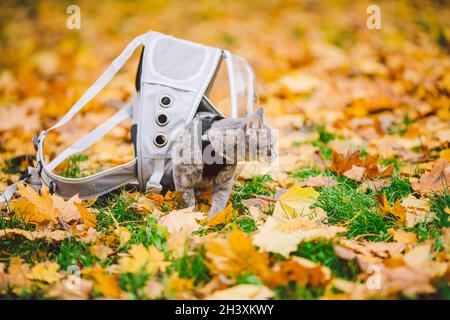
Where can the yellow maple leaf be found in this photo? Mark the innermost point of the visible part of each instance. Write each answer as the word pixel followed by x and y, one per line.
pixel 234 255
pixel 179 285
pixel 295 202
pixel 142 259
pixel 46 272
pixel 104 283
pixel 34 208
pixel 122 234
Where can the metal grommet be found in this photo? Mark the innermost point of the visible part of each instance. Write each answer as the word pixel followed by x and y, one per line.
pixel 162 119
pixel 160 140
pixel 165 101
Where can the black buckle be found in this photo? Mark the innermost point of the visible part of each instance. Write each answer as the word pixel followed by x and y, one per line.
pixel 25 174
pixel 39 167
pixel 36 141
pixel 52 187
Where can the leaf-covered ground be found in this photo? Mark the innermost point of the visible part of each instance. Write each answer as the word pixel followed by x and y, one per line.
pixel 357 207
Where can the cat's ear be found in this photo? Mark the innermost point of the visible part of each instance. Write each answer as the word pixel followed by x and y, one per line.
pixel 255 121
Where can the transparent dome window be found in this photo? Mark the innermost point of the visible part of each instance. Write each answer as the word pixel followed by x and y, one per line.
pixel 219 95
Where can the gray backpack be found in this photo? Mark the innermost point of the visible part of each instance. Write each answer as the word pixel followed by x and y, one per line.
pixel 173 82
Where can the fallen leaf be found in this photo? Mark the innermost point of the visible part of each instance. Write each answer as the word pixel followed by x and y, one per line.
pixel 242 292
pixel 46 272
pixel 72 289
pixel 55 235
pixel 437 180
pixel 223 216
pixel 181 220
pixel 104 283
pixel 402 236
pixel 355 173
pixel 295 202
pixel 101 251
pixel 235 255
pixel 417 256
pixel 417 210
pixel 140 259
pixel 284 236
pixel 318 181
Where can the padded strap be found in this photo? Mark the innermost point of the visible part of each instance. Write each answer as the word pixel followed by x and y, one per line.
pixel 92 137
pixel 102 182
pixel 9 192
pixel 101 82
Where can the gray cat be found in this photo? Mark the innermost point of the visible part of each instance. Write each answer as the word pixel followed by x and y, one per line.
pixel 205 158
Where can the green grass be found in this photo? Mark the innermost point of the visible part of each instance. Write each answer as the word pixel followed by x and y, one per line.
pixel 292 291
pixel 144 229
pixel 192 266
pixel 304 174
pixel 246 190
pixel 323 252
pixel 399 188
pixel 72 170
pixel 133 284
pixel 433 229
pixel 345 205
pixel 439 202
pixel 66 253
pixel 246 224
pixel 248 278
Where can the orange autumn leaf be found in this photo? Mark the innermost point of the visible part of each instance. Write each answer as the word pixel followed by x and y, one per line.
pixel 397 209
pixel 88 218
pixel 223 216
pixel 235 255
pixel 106 284
pixel 35 208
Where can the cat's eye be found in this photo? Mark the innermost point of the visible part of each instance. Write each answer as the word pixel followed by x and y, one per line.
pixel 162 119
pixel 165 101
pixel 160 140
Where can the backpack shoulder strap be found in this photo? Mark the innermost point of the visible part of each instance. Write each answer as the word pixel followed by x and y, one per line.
pixel 99 183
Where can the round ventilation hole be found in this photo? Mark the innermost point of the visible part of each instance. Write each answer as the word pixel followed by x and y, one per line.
pixel 165 101
pixel 162 119
pixel 160 140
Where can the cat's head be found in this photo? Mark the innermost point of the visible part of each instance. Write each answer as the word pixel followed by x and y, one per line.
pixel 243 139
pixel 260 139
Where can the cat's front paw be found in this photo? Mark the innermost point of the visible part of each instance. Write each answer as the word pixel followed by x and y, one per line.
pixel 212 214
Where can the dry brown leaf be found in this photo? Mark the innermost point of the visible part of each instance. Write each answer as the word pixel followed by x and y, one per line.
pixel 402 236
pixel 55 235
pixel 318 181
pixel 437 180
